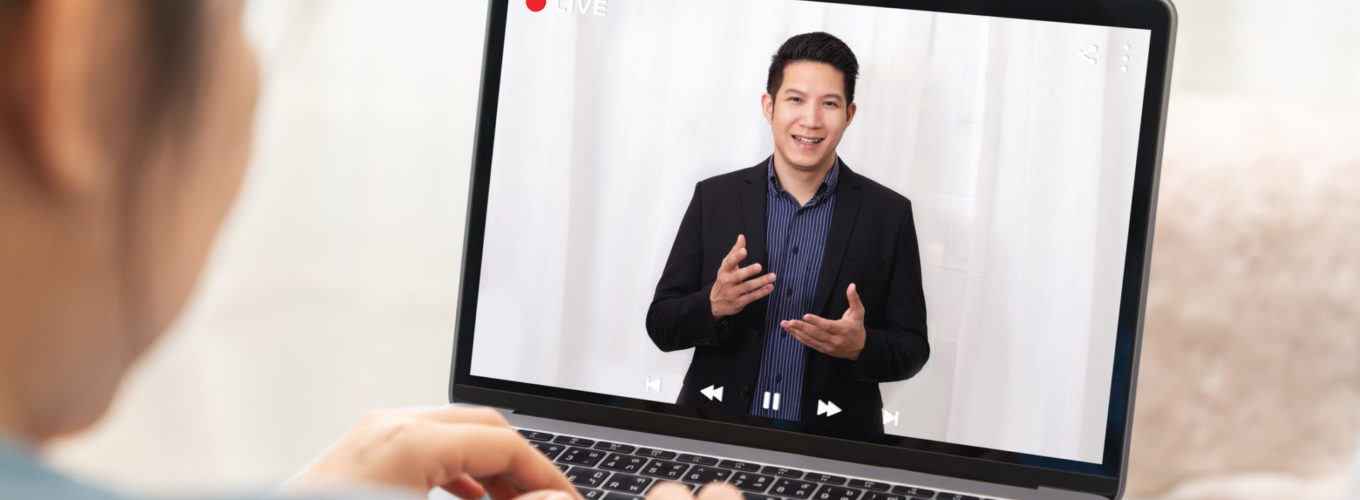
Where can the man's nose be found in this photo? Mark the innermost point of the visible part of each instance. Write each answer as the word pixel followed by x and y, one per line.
pixel 810 118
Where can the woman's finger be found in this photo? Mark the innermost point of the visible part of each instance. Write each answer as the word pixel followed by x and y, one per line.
pixel 486 451
pixel 465 487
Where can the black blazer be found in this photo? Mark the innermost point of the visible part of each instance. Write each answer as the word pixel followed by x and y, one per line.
pixel 872 243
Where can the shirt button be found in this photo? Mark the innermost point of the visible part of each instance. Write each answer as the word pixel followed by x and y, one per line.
pixel 778 378
pixel 795 250
pixel 789 292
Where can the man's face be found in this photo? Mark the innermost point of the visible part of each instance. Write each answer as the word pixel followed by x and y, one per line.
pixel 809 115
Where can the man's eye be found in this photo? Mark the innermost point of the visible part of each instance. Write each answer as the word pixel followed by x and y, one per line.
pixel 795 99
pixel 831 104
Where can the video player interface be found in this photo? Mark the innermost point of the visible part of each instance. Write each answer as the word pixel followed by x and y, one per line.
pixel 698 203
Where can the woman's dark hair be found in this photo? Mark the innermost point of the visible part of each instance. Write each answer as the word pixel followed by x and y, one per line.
pixel 153 89
pixel 817 47
pixel 169 40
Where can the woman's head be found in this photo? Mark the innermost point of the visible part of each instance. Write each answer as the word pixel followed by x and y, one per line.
pixel 124 133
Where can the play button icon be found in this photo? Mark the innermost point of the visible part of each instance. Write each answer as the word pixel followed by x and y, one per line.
pixel 712 393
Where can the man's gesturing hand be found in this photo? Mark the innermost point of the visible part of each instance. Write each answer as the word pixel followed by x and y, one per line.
pixel 735 286
pixel 843 338
pixel 471 452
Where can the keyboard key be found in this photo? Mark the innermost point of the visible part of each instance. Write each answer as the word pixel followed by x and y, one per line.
pixel 562 466
pixel 590 494
pixel 582 456
pixel 614 447
pixel 574 441
pixel 614 495
pixel 655 453
pixel 879 495
pixel 582 476
pixel 792 488
pixel 693 487
pixel 868 485
pixel 549 449
pixel 955 496
pixel 824 478
pixel 757 496
pixel 741 466
pixel 635 485
pixel 535 435
pixel 704 475
pixel 830 492
pixel 750 481
pixel 623 463
pixel 912 491
pixel 696 459
pixel 782 472
pixel 665 470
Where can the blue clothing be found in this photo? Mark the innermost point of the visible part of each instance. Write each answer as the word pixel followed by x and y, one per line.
pixel 22 476
pixel 795 239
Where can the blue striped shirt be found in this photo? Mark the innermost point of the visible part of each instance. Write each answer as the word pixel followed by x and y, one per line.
pixel 795 239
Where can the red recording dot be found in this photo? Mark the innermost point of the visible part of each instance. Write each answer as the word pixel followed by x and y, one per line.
pixel 536 5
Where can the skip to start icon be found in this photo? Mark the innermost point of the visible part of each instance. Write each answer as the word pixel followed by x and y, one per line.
pixel 592 7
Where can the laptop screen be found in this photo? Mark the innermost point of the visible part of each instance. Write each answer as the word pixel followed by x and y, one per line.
pixel 845 220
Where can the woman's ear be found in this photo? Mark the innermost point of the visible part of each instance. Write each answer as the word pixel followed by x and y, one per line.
pixel 54 75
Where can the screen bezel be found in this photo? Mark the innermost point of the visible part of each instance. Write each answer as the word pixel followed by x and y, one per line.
pixel 920 455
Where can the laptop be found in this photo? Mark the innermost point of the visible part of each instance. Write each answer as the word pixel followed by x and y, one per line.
pixel 819 250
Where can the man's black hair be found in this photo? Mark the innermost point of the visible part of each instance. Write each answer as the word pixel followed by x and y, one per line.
pixel 817 47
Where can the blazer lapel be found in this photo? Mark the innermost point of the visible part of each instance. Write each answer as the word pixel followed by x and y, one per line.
pixel 842 225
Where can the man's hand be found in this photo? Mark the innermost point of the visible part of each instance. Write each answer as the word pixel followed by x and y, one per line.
pixel 843 338
pixel 735 286
pixel 471 452
pixel 677 491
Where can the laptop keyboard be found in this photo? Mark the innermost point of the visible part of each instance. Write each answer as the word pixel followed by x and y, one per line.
pixel 603 470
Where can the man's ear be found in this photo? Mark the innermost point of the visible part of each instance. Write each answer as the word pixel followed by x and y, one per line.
pixel 53 90
pixel 850 113
pixel 767 104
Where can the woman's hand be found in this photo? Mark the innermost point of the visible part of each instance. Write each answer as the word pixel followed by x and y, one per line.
pixel 471 452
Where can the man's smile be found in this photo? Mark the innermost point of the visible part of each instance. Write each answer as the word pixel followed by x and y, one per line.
pixel 808 140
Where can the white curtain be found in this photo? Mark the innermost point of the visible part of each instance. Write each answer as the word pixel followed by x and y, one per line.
pixel 1015 141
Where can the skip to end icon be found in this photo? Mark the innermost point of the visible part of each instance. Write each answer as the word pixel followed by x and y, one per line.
pixel 827 408
pixel 712 393
pixel 654 384
pixel 890 417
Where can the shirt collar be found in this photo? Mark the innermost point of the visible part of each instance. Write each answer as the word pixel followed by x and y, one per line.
pixel 829 183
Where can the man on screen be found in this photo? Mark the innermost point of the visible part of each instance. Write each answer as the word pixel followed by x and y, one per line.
pixel 840 309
